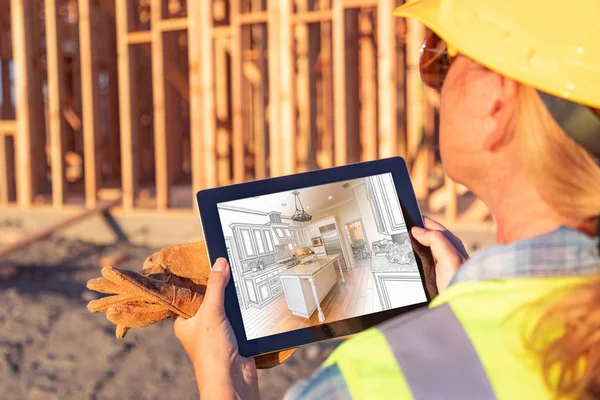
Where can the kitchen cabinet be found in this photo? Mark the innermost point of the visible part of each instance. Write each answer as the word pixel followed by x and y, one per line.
pixel 252 240
pixel 314 231
pixel 296 238
pixel 281 233
pixel 306 234
pixel 301 237
pixel 396 290
pixel 385 205
pixel 259 240
pixel 264 292
pixel 236 272
pixel 264 286
pixel 269 240
pixel 396 285
pixel 247 242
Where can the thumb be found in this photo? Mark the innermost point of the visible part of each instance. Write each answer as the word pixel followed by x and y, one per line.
pixel 214 298
pixel 434 239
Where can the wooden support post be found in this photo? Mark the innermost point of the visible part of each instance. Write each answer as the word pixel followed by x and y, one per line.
pixel 202 94
pixel 368 87
pixel 430 141
pixel 7 111
pixel 286 89
pixel 425 158
pixel 303 90
pixel 386 48
pixel 173 117
pixel 259 98
pixel 128 114
pixel 247 104
pixel 326 150
pixel 352 101
pixel 113 91
pixel 159 100
pixel 275 125
pixel 237 106
pixel 7 164
pixel 222 111
pixel 55 101
pixel 314 35
pixel 452 204
pixel 414 89
pixel 90 93
pixel 5 167
pixel 258 46
pixel 30 135
pixel 340 146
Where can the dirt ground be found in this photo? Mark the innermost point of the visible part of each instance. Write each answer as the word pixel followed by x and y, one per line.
pixel 52 347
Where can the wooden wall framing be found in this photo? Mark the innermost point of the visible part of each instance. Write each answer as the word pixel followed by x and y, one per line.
pixel 156 99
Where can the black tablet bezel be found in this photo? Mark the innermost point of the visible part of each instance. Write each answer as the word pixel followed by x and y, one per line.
pixel 208 199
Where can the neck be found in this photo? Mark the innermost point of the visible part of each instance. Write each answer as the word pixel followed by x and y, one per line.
pixel 519 210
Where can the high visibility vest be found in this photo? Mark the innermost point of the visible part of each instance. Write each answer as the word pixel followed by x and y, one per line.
pixel 467 345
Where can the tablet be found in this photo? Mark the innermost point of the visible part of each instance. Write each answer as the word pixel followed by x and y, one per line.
pixel 316 255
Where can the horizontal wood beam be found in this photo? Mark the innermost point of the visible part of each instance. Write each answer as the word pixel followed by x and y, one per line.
pixel 172 24
pixel 360 3
pixel 8 127
pixel 139 37
pixel 259 17
pixel 312 17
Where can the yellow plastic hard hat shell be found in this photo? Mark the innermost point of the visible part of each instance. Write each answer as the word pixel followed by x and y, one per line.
pixel 551 45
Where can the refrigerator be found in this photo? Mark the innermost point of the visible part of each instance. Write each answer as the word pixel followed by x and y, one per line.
pixel 333 243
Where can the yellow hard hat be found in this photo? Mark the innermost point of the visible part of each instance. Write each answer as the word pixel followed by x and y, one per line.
pixel 551 45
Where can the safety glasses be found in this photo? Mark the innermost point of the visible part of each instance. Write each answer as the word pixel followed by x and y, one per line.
pixel 435 61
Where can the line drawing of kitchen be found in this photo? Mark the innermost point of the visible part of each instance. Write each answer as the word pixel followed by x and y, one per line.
pixel 319 254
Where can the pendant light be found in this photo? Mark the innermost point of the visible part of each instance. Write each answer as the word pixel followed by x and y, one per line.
pixel 300 216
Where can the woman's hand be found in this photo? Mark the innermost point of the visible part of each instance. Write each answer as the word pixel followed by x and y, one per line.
pixel 210 342
pixel 448 251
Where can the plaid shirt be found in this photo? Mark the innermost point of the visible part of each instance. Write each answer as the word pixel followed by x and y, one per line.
pixel 562 252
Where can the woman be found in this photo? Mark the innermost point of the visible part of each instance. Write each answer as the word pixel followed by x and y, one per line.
pixel 519 320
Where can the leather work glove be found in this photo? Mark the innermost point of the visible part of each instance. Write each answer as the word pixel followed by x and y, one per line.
pixel 172 284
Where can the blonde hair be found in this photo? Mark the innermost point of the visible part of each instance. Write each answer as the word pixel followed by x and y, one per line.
pixel 568 179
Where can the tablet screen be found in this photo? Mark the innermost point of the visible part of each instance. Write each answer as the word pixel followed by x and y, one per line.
pixel 319 254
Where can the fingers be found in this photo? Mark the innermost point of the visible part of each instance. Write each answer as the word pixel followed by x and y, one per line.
pixel 121 331
pixel 104 303
pixel 214 299
pixel 433 225
pixel 430 224
pixel 434 239
pixel 441 247
pixel 137 315
pixel 103 285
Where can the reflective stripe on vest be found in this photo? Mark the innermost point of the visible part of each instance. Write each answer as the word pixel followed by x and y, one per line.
pixel 447 365
pixel 467 346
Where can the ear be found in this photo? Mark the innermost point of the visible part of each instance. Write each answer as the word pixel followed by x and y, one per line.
pixel 499 113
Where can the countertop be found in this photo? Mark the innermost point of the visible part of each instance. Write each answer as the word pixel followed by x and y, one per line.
pixel 268 268
pixel 310 269
pixel 380 263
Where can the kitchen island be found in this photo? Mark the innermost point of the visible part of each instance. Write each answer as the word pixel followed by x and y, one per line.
pixel 397 284
pixel 306 285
